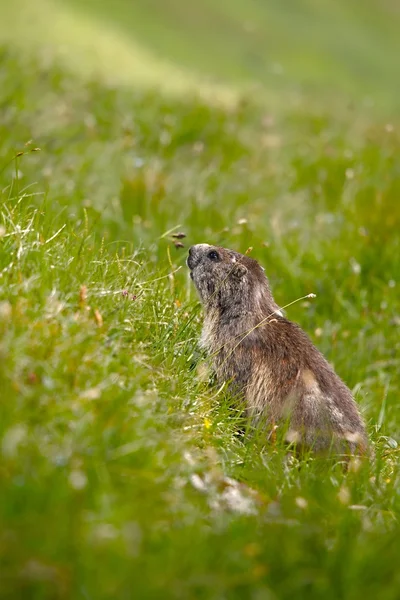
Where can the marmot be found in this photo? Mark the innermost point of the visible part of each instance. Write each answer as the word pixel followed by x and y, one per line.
pixel 268 359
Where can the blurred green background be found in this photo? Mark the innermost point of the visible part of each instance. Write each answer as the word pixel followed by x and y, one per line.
pixel 325 47
pixel 340 46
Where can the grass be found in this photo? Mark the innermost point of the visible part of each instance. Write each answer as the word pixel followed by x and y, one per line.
pixel 124 473
pixel 90 47
pixel 329 47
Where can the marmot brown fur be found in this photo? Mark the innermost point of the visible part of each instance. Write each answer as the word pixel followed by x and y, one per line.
pixel 268 359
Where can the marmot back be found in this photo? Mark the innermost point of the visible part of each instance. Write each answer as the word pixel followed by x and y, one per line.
pixel 267 358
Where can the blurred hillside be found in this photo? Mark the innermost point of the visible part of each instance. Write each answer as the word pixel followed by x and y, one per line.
pixel 320 49
pixel 344 47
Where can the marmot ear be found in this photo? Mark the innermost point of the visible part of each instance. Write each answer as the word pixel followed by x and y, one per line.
pixel 239 270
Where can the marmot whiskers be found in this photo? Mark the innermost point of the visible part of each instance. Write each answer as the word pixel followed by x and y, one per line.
pixel 268 359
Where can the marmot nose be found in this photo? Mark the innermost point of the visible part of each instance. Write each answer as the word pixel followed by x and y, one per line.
pixel 193 258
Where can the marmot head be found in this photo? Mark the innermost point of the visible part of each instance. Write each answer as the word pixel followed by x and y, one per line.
pixel 228 280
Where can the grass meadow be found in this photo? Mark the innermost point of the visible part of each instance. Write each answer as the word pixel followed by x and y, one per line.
pixel 124 472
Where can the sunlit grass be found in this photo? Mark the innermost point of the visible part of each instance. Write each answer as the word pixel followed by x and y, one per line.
pixel 91 48
pixel 323 48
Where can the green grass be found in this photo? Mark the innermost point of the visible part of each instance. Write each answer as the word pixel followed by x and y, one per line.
pixel 90 47
pixel 326 47
pixel 124 473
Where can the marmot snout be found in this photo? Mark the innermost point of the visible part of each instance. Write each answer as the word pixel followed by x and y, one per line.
pixel 268 359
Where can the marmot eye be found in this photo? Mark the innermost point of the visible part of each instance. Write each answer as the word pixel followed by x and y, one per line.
pixel 213 255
